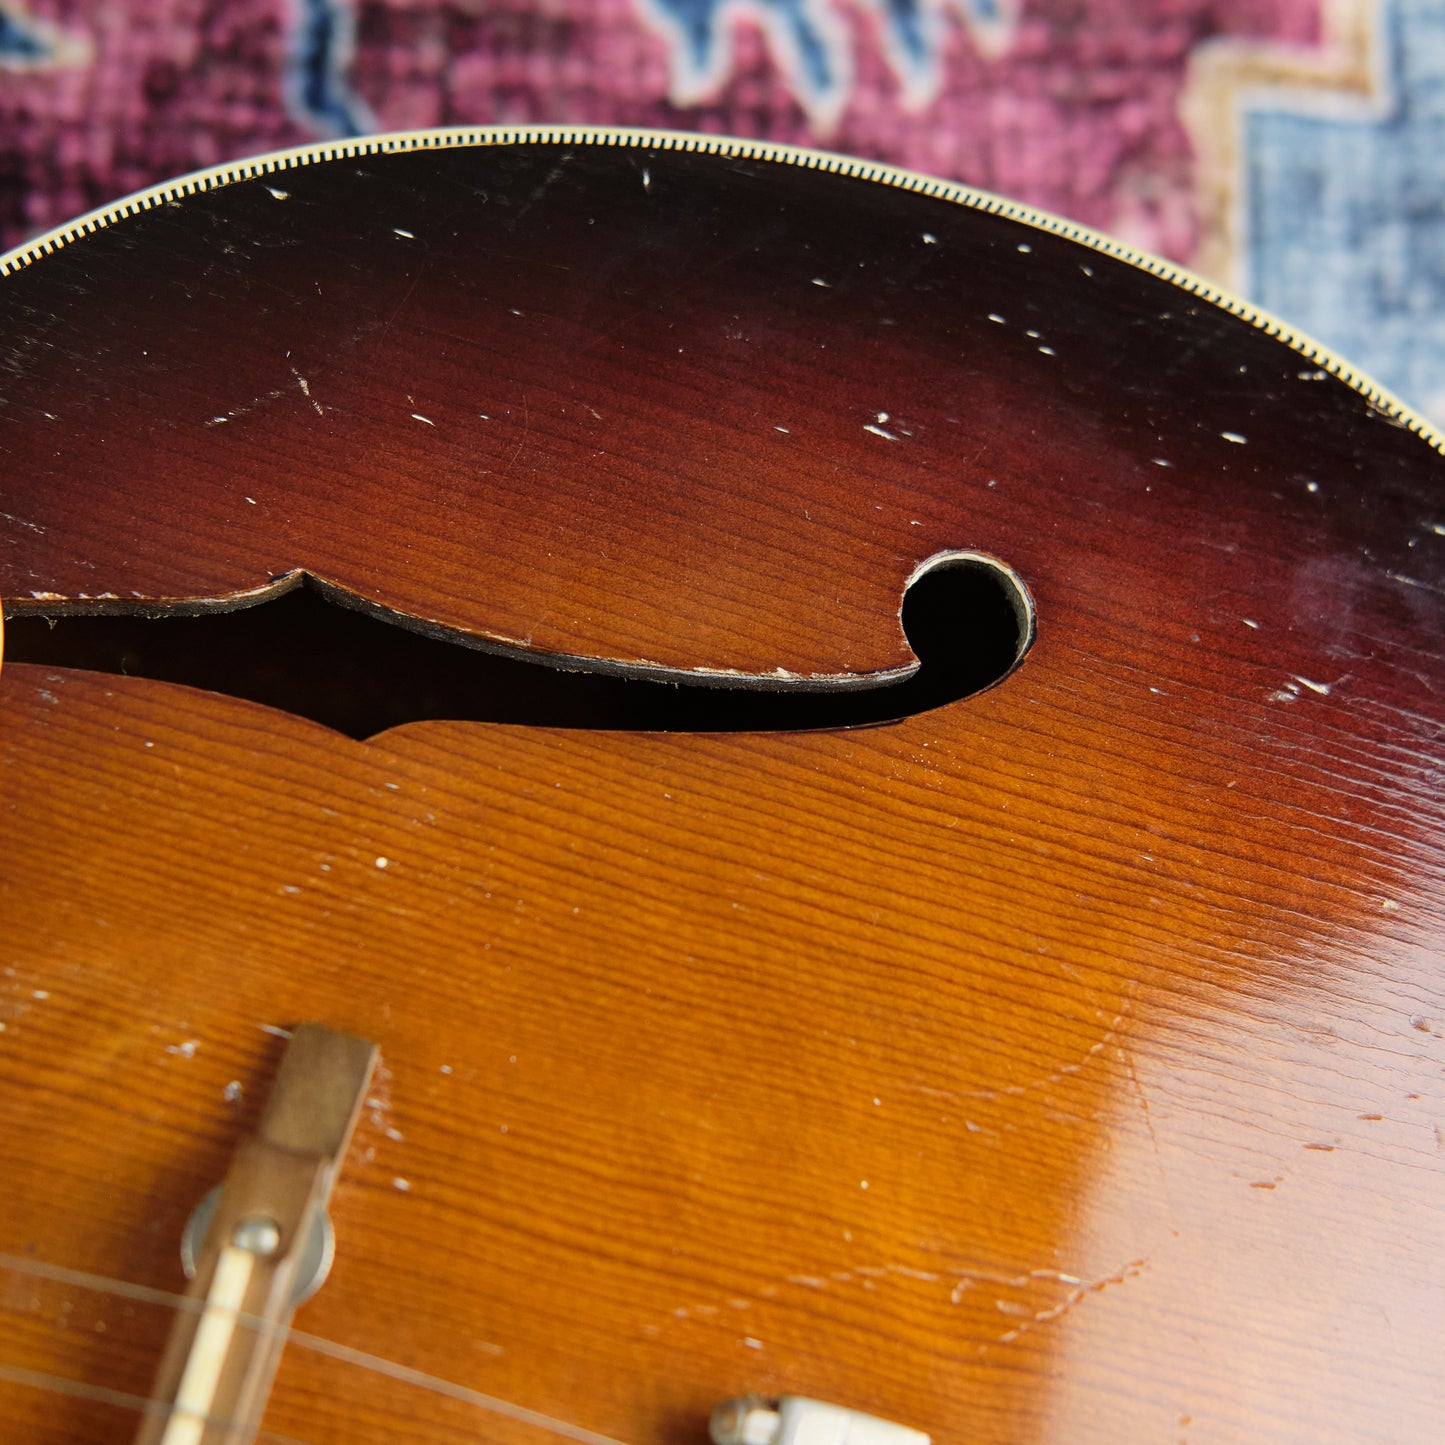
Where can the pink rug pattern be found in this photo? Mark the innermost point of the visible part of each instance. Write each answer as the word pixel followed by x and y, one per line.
pixel 1072 107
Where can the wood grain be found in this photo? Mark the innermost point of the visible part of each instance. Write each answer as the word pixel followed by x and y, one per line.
pixel 1063 1065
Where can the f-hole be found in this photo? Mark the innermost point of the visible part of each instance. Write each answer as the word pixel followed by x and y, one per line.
pixel 967 618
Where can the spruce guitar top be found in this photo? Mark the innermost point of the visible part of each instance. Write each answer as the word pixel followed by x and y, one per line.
pixel 869 763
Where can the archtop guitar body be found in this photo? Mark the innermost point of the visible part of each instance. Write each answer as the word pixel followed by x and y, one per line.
pixel 1058 1058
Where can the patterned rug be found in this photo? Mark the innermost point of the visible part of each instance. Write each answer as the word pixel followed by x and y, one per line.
pixel 1293 150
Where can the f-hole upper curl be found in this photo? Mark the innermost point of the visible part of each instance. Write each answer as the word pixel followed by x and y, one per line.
pixel 968 619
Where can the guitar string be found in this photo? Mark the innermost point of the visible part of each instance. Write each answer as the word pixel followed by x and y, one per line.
pixel 345 1354
pixel 82 1390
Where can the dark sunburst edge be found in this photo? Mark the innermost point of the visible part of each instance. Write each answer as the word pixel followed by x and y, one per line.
pixel 853 167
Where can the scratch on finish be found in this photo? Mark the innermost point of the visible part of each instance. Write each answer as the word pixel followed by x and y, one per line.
pixel 1062 1072
pixel 306 391
pixel 1148 1125
pixel 526 430
pixel 552 177
pixel 927 1276
pixel 1030 1318
pixel 1405 581
pixel 246 407
pixel 1026 1313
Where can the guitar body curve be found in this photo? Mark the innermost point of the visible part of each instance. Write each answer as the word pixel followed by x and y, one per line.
pixel 1061 1065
